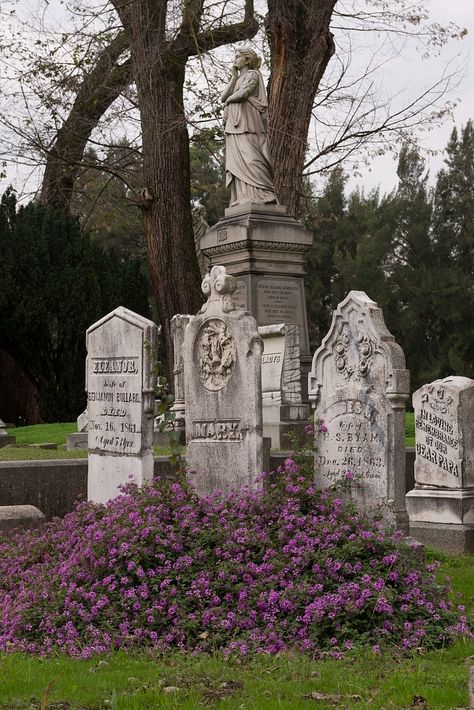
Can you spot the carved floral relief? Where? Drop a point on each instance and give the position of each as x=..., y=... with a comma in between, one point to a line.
x=215, y=353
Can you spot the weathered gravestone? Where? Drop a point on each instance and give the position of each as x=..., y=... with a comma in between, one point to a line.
x=178, y=326
x=441, y=506
x=359, y=385
x=79, y=439
x=283, y=411
x=5, y=438
x=120, y=384
x=222, y=353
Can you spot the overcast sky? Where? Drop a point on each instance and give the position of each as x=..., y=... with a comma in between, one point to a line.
x=409, y=72
x=413, y=69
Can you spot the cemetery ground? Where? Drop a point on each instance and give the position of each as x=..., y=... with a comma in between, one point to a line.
x=362, y=679
x=434, y=680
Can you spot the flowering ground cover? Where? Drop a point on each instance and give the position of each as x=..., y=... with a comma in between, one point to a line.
x=292, y=569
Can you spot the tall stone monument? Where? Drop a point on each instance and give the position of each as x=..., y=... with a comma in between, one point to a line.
x=441, y=506
x=257, y=241
x=222, y=353
x=120, y=385
x=359, y=385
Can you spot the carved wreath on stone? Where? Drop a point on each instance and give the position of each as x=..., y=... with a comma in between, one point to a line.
x=436, y=399
x=358, y=366
x=214, y=351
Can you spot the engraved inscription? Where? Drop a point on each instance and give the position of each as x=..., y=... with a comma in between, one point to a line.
x=217, y=430
x=214, y=351
x=437, y=438
x=278, y=302
x=353, y=442
x=115, y=405
x=271, y=359
x=115, y=365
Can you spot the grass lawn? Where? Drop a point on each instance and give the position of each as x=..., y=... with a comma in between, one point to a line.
x=435, y=680
x=43, y=433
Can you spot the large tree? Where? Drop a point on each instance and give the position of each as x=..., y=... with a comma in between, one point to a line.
x=152, y=49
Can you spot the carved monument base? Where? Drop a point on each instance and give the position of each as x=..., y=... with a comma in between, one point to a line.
x=264, y=249
x=442, y=518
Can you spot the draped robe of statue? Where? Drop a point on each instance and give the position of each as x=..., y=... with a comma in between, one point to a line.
x=249, y=170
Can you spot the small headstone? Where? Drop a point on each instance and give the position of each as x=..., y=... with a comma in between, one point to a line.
x=79, y=439
x=83, y=421
x=359, y=385
x=178, y=326
x=222, y=353
x=26, y=517
x=283, y=411
x=441, y=505
x=120, y=381
x=5, y=438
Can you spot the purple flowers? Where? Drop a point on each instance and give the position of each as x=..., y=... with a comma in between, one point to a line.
x=291, y=567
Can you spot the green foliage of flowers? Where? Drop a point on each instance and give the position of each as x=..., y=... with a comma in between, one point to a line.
x=289, y=568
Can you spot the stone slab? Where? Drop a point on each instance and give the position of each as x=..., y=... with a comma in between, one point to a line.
x=110, y=475
x=455, y=539
x=25, y=517
x=440, y=505
x=77, y=441
x=7, y=440
x=49, y=446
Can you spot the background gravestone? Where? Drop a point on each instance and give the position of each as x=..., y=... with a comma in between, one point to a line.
x=441, y=506
x=5, y=438
x=222, y=353
x=283, y=411
x=359, y=385
x=120, y=384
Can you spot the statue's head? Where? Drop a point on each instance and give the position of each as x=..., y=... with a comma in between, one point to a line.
x=252, y=60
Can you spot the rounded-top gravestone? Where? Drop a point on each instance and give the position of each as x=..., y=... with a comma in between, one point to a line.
x=359, y=385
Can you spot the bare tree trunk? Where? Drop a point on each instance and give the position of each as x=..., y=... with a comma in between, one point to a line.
x=301, y=46
x=168, y=224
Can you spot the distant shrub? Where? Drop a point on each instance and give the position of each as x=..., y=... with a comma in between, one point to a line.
x=292, y=567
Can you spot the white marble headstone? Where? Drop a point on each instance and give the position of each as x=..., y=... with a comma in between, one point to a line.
x=441, y=506
x=444, y=433
x=358, y=384
x=222, y=368
x=120, y=384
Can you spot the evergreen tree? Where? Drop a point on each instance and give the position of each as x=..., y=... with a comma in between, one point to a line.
x=208, y=174
x=453, y=239
x=54, y=283
x=324, y=216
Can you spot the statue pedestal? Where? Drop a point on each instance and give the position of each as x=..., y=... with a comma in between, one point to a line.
x=264, y=249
